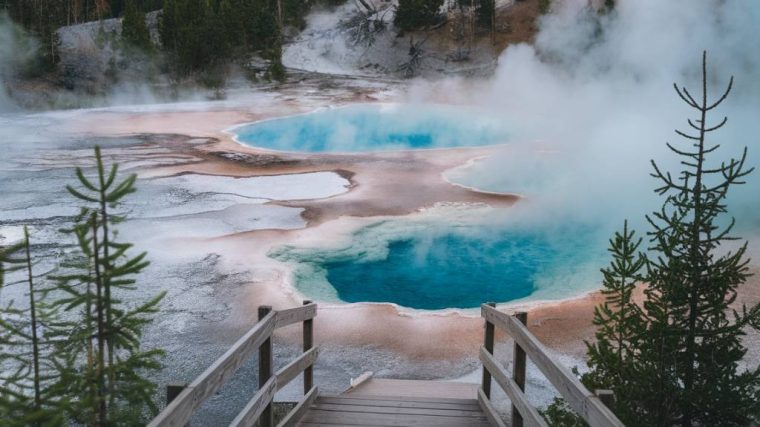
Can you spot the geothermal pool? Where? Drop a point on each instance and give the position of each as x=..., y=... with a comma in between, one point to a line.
x=376, y=127
x=435, y=266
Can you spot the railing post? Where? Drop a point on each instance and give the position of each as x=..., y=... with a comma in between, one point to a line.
x=607, y=397
x=488, y=344
x=518, y=371
x=308, y=343
x=173, y=390
x=265, y=369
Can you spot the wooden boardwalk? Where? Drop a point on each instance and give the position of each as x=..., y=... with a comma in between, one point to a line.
x=382, y=402
x=394, y=411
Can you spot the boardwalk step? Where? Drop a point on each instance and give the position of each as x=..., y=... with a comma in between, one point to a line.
x=462, y=404
x=397, y=412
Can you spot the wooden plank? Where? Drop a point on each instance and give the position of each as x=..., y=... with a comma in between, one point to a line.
x=253, y=409
x=488, y=343
x=455, y=413
x=375, y=387
x=308, y=343
x=404, y=398
x=298, y=412
x=181, y=409
x=292, y=369
x=295, y=315
x=310, y=424
x=518, y=370
x=304, y=423
x=266, y=364
x=485, y=404
x=530, y=415
x=585, y=403
x=471, y=406
x=368, y=419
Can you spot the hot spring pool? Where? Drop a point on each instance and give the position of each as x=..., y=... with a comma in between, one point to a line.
x=449, y=268
x=375, y=127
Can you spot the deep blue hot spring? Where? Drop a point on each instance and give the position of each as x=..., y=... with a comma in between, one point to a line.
x=448, y=268
x=376, y=127
x=419, y=264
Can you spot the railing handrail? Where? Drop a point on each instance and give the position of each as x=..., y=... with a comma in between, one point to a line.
x=181, y=409
x=529, y=414
x=578, y=397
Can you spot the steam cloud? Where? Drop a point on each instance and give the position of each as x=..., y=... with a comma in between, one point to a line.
x=595, y=103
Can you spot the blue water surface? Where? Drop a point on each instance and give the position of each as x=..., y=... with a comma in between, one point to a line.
x=454, y=269
x=376, y=127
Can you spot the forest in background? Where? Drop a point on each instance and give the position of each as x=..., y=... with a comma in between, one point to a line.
x=194, y=34
x=203, y=41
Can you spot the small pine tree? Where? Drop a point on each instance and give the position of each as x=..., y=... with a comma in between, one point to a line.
x=612, y=357
x=559, y=414
x=693, y=281
x=29, y=394
x=106, y=380
x=683, y=367
x=134, y=30
x=12, y=399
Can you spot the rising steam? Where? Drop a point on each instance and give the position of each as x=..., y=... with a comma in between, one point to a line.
x=595, y=101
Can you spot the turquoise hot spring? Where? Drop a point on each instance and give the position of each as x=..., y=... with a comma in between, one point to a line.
x=371, y=128
x=423, y=266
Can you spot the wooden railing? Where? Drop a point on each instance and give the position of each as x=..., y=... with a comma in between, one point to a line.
x=183, y=404
x=588, y=405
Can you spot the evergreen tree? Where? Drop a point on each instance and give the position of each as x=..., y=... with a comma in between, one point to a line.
x=201, y=37
x=544, y=6
x=192, y=33
x=234, y=23
x=29, y=386
x=117, y=7
x=14, y=373
x=134, y=30
x=693, y=281
x=106, y=382
x=613, y=356
x=677, y=360
x=264, y=34
x=416, y=14
x=559, y=414
x=167, y=27
x=294, y=12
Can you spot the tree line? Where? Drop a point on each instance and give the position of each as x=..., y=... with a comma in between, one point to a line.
x=195, y=35
x=41, y=18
